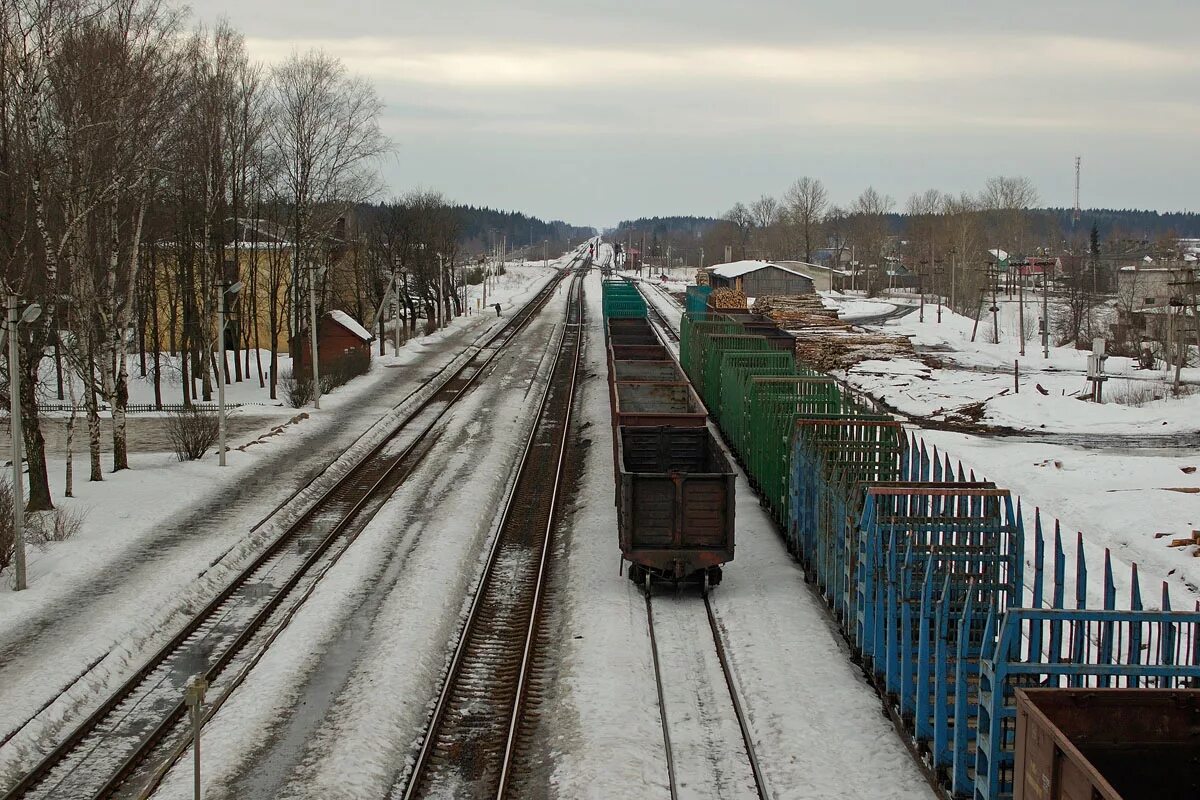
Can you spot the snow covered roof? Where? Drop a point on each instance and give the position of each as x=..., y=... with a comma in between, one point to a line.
x=813, y=267
x=998, y=253
x=737, y=269
x=349, y=323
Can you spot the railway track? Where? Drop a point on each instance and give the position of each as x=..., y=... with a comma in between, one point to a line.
x=657, y=316
x=474, y=733
x=121, y=747
x=705, y=758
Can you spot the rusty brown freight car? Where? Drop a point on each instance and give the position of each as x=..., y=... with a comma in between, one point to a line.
x=660, y=371
x=1107, y=744
x=676, y=504
x=649, y=404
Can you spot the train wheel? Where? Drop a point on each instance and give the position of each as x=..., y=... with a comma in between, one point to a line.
x=707, y=587
x=647, y=583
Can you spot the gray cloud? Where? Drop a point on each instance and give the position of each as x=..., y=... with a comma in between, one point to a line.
x=601, y=111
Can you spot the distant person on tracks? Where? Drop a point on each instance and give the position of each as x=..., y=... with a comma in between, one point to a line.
x=497, y=307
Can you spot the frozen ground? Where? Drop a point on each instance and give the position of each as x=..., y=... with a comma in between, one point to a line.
x=162, y=537
x=605, y=738
x=974, y=380
x=1132, y=496
x=816, y=724
x=336, y=705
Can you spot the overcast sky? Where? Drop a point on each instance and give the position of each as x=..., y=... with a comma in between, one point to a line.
x=603, y=111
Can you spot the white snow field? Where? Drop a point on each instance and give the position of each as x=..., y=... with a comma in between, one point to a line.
x=162, y=538
x=334, y=708
x=1122, y=475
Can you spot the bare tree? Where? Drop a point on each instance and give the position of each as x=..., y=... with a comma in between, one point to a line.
x=869, y=227
x=1006, y=201
x=806, y=200
x=963, y=232
x=325, y=130
x=743, y=220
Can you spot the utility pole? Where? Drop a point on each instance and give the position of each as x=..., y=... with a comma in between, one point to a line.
x=995, y=307
x=1021, y=309
x=313, y=276
x=222, y=314
x=193, y=698
x=15, y=318
x=1045, y=315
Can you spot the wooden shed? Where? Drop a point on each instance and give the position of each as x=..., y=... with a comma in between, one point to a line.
x=760, y=278
x=339, y=336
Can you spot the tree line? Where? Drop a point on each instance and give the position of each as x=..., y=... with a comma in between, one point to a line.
x=139, y=160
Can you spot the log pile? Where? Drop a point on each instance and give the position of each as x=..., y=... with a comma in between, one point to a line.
x=727, y=300
x=834, y=348
x=823, y=341
x=799, y=310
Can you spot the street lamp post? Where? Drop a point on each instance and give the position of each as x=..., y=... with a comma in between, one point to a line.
x=317, y=274
x=223, y=312
x=17, y=316
x=193, y=698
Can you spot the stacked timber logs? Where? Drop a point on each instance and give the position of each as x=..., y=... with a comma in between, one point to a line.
x=799, y=310
x=825, y=342
x=727, y=300
x=840, y=346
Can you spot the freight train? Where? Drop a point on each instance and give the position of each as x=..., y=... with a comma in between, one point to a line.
x=924, y=566
x=675, y=488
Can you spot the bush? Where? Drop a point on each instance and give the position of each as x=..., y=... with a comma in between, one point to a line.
x=297, y=389
x=7, y=540
x=192, y=431
x=41, y=527
x=1139, y=393
x=58, y=525
x=344, y=370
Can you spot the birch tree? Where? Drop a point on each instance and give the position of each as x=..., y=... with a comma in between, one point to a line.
x=325, y=131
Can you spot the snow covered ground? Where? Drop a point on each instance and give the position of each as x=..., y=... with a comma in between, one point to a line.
x=976, y=377
x=1120, y=474
x=606, y=738
x=336, y=705
x=162, y=537
x=816, y=724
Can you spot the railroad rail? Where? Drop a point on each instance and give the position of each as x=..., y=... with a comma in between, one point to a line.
x=659, y=318
x=472, y=738
x=145, y=717
x=736, y=705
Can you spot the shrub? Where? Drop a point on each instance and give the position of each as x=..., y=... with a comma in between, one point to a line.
x=1139, y=393
x=7, y=540
x=192, y=431
x=297, y=389
x=58, y=525
x=344, y=370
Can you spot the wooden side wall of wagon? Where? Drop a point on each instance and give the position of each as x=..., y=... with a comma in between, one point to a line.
x=1107, y=744
x=675, y=505
x=645, y=405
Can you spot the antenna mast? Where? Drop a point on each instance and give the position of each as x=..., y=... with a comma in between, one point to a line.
x=1075, y=213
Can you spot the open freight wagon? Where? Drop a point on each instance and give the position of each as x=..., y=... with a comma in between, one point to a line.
x=1108, y=744
x=674, y=485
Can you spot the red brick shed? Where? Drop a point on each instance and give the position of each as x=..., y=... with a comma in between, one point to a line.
x=338, y=335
